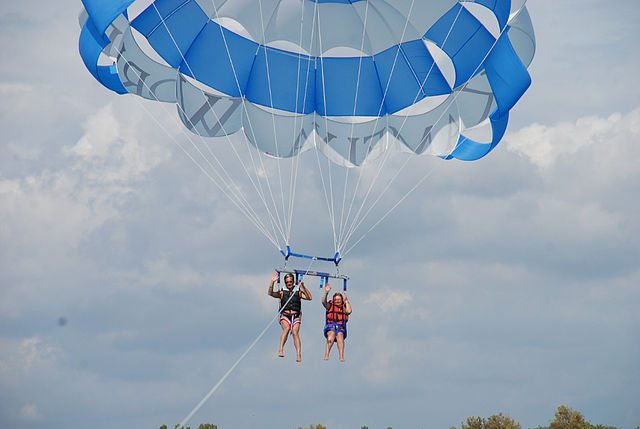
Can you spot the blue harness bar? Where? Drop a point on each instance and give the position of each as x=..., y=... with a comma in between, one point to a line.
x=336, y=258
x=324, y=277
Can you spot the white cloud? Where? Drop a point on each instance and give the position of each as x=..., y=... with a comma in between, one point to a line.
x=30, y=412
x=545, y=144
x=66, y=203
x=17, y=96
x=388, y=355
x=34, y=352
x=389, y=300
x=380, y=367
x=26, y=359
x=102, y=131
x=115, y=149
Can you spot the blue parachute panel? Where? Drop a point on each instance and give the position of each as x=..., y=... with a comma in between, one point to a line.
x=282, y=80
x=104, y=12
x=408, y=74
x=469, y=150
x=348, y=87
x=220, y=59
x=509, y=80
x=91, y=45
x=507, y=75
x=464, y=39
x=171, y=26
x=422, y=66
x=501, y=8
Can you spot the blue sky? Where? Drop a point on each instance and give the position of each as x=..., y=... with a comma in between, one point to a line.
x=506, y=285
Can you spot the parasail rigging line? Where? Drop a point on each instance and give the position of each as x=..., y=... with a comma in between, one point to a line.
x=275, y=220
x=330, y=200
x=425, y=177
x=455, y=95
x=226, y=135
x=230, y=192
x=294, y=175
x=355, y=224
x=255, y=138
x=407, y=160
x=293, y=172
x=355, y=104
x=273, y=116
x=257, y=187
x=343, y=240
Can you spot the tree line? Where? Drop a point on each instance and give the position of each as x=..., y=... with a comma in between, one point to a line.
x=565, y=418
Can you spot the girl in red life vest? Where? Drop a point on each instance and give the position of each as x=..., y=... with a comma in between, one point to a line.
x=290, y=311
x=335, y=329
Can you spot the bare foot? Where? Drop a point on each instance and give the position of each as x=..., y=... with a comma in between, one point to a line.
x=326, y=357
x=299, y=359
x=341, y=359
x=280, y=354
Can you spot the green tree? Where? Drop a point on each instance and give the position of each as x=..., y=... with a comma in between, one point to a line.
x=497, y=421
x=566, y=418
x=202, y=426
x=501, y=421
x=318, y=426
x=474, y=423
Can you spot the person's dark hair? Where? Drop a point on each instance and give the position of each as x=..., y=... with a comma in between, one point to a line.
x=289, y=275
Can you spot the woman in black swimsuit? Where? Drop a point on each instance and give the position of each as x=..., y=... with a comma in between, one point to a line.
x=290, y=310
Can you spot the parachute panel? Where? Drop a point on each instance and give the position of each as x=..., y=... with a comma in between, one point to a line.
x=207, y=113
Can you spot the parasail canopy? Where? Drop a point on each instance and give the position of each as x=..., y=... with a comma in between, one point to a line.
x=352, y=79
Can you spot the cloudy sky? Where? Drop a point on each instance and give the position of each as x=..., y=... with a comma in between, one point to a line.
x=129, y=284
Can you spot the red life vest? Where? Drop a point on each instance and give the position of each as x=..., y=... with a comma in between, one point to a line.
x=336, y=313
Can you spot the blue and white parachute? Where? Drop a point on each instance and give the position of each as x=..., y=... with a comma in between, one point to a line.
x=343, y=76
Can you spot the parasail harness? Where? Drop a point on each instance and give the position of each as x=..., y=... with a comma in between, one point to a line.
x=299, y=274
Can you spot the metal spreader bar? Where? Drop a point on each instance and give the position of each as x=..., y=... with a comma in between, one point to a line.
x=336, y=258
x=324, y=277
